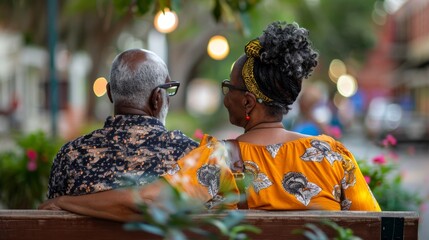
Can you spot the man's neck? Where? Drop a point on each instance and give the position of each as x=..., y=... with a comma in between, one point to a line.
x=130, y=111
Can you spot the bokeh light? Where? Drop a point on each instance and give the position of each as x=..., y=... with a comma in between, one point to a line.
x=347, y=85
x=99, y=86
x=337, y=68
x=218, y=47
x=166, y=22
x=322, y=113
x=391, y=6
x=338, y=99
x=203, y=97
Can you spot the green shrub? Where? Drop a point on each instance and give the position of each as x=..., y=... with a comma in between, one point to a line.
x=383, y=177
x=24, y=171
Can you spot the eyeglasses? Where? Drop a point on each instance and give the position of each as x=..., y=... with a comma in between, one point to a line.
x=226, y=86
x=170, y=87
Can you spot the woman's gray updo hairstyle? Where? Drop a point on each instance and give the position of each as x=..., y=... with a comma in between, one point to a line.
x=286, y=58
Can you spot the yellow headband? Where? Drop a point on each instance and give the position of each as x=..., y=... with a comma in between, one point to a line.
x=252, y=50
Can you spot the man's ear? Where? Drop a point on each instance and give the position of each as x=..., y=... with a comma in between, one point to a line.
x=109, y=94
x=156, y=101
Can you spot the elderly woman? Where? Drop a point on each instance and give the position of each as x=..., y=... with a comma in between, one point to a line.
x=282, y=170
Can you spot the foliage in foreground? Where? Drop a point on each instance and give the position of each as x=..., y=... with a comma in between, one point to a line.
x=314, y=232
x=173, y=218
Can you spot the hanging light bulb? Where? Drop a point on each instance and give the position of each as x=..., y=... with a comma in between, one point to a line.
x=218, y=47
x=166, y=22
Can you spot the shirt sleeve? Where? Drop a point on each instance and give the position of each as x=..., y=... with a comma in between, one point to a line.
x=182, y=143
x=203, y=174
x=58, y=176
x=357, y=194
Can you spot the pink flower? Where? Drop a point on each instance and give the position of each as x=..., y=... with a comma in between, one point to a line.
x=379, y=159
x=335, y=132
x=367, y=179
x=389, y=140
x=31, y=166
x=198, y=134
x=32, y=154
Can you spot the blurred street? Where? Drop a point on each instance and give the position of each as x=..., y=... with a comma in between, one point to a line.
x=413, y=161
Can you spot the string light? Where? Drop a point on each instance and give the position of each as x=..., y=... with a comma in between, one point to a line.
x=166, y=22
x=218, y=47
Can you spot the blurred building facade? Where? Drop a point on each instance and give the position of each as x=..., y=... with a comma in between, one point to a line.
x=397, y=71
x=20, y=81
x=24, y=82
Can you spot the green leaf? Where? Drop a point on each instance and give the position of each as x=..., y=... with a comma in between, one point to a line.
x=175, y=234
x=143, y=6
x=316, y=232
x=121, y=5
x=217, y=11
x=233, y=218
x=218, y=224
x=199, y=231
x=247, y=228
x=158, y=215
x=144, y=227
x=164, y=4
x=77, y=6
x=311, y=235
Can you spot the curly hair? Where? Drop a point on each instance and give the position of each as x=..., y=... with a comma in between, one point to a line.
x=286, y=58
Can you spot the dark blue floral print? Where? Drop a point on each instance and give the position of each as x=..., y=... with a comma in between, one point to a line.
x=128, y=147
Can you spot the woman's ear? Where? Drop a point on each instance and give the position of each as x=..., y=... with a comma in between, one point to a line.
x=109, y=94
x=249, y=101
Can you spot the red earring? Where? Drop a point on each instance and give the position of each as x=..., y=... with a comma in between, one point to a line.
x=247, y=117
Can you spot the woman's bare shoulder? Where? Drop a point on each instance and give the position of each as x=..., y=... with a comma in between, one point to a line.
x=272, y=138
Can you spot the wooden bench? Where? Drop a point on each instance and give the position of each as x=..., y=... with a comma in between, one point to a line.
x=45, y=225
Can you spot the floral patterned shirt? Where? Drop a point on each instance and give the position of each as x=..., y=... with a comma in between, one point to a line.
x=130, y=149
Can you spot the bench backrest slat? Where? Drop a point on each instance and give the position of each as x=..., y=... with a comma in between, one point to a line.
x=45, y=225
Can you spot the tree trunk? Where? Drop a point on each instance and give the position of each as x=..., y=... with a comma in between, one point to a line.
x=183, y=60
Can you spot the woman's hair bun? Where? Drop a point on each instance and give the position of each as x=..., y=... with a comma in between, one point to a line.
x=285, y=59
x=287, y=47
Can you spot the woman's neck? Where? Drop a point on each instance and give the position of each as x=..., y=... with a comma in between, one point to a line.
x=264, y=125
x=268, y=133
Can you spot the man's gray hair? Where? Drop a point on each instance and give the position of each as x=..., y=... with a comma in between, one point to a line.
x=132, y=80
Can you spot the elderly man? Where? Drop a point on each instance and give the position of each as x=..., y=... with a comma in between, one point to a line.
x=133, y=142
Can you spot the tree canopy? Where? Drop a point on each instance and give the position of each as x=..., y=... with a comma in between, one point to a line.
x=338, y=29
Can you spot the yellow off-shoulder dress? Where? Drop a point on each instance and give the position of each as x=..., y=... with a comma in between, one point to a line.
x=311, y=173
